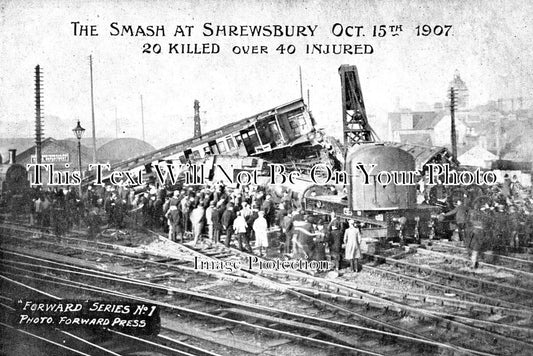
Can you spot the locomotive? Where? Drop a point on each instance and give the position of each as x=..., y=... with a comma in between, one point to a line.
x=388, y=211
x=374, y=196
x=16, y=194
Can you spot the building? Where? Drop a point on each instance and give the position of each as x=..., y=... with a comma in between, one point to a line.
x=63, y=154
x=122, y=149
x=477, y=156
x=430, y=128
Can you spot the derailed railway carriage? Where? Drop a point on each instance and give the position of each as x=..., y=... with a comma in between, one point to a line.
x=387, y=211
x=282, y=134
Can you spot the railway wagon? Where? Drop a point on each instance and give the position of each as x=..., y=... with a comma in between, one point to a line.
x=387, y=210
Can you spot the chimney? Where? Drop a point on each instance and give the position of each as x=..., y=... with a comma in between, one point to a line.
x=197, y=127
x=12, y=156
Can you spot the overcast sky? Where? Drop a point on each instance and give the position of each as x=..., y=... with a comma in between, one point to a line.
x=489, y=43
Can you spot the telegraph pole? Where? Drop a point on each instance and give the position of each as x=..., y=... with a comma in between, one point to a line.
x=38, y=115
x=92, y=109
x=142, y=115
x=453, y=102
x=301, y=84
x=498, y=136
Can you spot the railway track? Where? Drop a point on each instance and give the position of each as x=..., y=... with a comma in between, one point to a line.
x=501, y=275
x=438, y=300
x=284, y=302
x=498, y=261
x=53, y=340
x=387, y=313
x=513, y=325
x=311, y=330
x=219, y=252
x=404, y=302
x=450, y=281
x=180, y=258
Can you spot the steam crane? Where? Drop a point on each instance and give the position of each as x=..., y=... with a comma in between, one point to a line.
x=356, y=128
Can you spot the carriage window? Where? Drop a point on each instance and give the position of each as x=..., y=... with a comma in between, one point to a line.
x=295, y=125
x=250, y=136
x=221, y=146
x=213, y=147
x=276, y=136
x=195, y=155
x=250, y=140
x=231, y=144
x=303, y=123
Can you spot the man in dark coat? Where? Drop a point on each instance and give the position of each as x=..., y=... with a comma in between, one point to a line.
x=158, y=211
x=476, y=234
x=269, y=210
x=57, y=217
x=250, y=222
x=145, y=209
x=335, y=233
x=286, y=231
x=93, y=222
x=119, y=213
x=217, y=226
x=227, y=223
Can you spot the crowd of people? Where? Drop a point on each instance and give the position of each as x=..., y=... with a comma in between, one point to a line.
x=499, y=220
x=57, y=210
x=268, y=219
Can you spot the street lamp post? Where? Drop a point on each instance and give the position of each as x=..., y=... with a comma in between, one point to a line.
x=78, y=131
